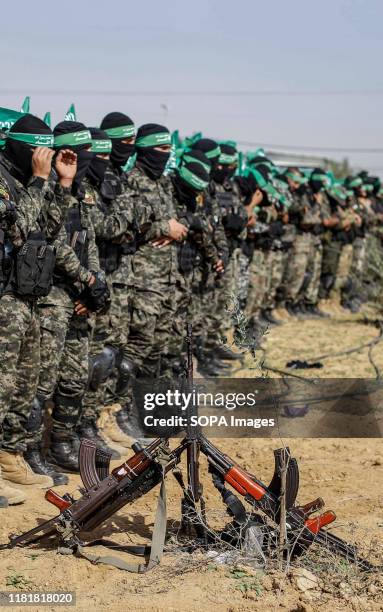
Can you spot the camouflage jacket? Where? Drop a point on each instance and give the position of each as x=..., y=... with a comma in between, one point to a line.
x=232, y=208
x=214, y=214
x=153, y=205
x=71, y=273
x=114, y=224
x=38, y=208
x=200, y=236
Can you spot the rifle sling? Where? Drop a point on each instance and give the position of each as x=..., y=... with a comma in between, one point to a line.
x=155, y=549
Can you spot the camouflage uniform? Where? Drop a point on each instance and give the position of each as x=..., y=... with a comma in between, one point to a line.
x=37, y=210
x=301, y=249
x=196, y=248
x=354, y=289
x=112, y=220
x=231, y=206
x=274, y=262
x=261, y=240
x=154, y=272
x=207, y=283
x=333, y=242
x=312, y=225
x=65, y=335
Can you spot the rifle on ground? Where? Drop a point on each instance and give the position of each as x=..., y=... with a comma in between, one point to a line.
x=105, y=493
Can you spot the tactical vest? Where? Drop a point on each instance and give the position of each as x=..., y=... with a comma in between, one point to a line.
x=187, y=256
x=110, y=252
x=229, y=206
x=26, y=271
x=77, y=235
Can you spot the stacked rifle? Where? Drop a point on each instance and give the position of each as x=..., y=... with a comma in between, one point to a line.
x=105, y=492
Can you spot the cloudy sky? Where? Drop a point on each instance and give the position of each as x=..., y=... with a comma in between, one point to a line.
x=298, y=73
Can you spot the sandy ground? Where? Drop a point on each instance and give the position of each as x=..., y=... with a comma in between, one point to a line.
x=347, y=473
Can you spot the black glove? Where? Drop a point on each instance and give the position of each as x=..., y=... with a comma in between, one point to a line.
x=96, y=297
x=194, y=222
x=234, y=223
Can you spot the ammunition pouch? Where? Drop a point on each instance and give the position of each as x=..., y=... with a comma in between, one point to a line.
x=32, y=273
x=186, y=254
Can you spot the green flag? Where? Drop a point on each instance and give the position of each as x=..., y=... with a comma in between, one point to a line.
x=47, y=119
x=26, y=104
x=70, y=114
x=8, y=118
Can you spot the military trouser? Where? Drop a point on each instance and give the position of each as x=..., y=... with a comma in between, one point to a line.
x=274, y=263
x=176, y=347
x=64, y=366
x=19, y=368
x=226, y=292
x=152, y=313
x=373, y=268
x=257, y=284
x=203, y=288
x=330, y=259
x=310, y=289
x=295, y=272
x=243, y=278
x=342, y=278
x=111, y=328
x=354, y=287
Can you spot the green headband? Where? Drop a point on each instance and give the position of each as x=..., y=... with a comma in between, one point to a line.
x=356, y=182
x=296, y=177
x=261, y=181
x=213, y=153
x=154, y=140
x=123, y=131
x=227, y=160
x=73, y=138
x=323, y=178
x=101, y=146
x=191, y=159
x=368, y=187
x=36, y=140
x=192, y=179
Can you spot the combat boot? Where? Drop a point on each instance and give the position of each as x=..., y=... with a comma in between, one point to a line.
x=316, y=312
x=88, y=429
x=15, y=469
x=129, y=422
x=61, y=452
x=296, y=310
x=9, y=495
x=110, y=428
x=39, y=464
x=268, y=317
x=208, y=368
x=215, y=361
x=224, y=352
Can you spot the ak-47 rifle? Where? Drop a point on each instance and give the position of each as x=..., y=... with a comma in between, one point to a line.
x=104, y=494
x=302, y=528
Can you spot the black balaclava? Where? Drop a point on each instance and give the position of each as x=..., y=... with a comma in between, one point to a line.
x=210, y=148
x=189, y=180
x=98, y=165
x=84, y=155
x=20, y=153
x=318, y=180
x=120, y=151
x=153, y=162
x=225, y=171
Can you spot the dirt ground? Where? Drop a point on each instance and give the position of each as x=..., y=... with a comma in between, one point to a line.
x=347, y=473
